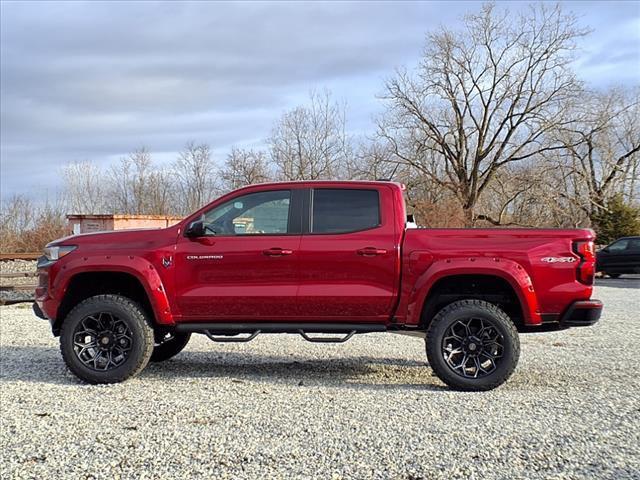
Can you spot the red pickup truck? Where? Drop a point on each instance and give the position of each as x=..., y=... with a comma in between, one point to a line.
x=325, y=260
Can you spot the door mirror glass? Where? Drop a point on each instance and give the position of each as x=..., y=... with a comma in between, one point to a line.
x=195, y=229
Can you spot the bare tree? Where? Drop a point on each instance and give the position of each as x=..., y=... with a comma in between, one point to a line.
x=137, y=186
x=602, y=156
x=432, y=204
x=140, y=181
x=374, y=160
x=195, y=177
x=244, y=167
x=84, y=187
x=119, y=190
x=483, y=98
x=126, y=182
x=310, y=142
x=160, y=193
x=16, y=214
x=27, y=227
x=517, y=197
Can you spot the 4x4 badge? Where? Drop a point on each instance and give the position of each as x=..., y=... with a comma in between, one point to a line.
x=558, y=259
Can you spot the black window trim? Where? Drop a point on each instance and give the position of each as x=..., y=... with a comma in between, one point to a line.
x=307, y=223
x=294, y=221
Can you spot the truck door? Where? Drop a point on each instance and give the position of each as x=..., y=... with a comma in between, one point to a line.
x=246, y=265
x=616, y=257
x=633, y=255
x=349, y=255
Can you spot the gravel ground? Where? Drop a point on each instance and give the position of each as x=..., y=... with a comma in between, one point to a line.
x=279, y=407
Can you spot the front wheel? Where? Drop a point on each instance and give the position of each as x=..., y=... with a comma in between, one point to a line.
x=106, y=339
x=472, y=345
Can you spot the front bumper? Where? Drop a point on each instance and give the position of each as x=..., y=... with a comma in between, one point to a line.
x=582, y=313
x=38, y=311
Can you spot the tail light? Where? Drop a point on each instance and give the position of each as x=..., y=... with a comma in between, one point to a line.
x=587, y=267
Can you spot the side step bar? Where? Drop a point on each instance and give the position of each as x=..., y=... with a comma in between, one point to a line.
x=229, y=339
x=326, y=339
x=226, y=332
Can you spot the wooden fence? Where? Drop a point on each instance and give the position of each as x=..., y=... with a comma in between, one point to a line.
x=6, y=278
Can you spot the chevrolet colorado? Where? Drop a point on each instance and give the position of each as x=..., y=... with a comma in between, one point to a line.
x=325, y=260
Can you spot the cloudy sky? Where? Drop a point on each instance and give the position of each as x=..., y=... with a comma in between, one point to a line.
x=92, y=81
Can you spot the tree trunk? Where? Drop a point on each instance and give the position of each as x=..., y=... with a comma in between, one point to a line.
x=468, y=216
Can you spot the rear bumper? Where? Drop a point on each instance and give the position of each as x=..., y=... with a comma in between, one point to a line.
x=582, y=313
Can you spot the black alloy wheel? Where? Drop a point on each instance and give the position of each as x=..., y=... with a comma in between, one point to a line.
x=102, y=341
x=106, y=339
x=472, y=345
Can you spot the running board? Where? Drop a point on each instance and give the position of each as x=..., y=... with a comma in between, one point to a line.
x=229, y=339
x=326, y=339
x=227, y=332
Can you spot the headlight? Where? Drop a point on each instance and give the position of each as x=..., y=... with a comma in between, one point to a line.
x=57, y=252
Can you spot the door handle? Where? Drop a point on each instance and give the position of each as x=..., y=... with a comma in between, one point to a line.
x=371, y=251
x=277, y=252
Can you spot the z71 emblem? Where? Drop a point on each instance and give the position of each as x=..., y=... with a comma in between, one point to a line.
x=558, y=259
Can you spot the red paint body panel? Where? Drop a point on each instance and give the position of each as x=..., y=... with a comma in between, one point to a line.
x=512, y=254
x=323, y=277
x=239, y=280
x=339, y=284
x=135, y=252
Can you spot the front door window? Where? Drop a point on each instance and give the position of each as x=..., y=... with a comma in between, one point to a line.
x=261, y=213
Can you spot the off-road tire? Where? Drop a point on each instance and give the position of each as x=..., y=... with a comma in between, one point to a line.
x=464, y=309
x=141, y=335
x=170, y=348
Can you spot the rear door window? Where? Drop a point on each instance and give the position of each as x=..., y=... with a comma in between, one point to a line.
x=341, y=210
x=634, y=245
x=618, y=246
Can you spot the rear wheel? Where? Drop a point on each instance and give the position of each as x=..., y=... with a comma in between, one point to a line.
x=106, y=339
x=169, y=346
x=472, y=345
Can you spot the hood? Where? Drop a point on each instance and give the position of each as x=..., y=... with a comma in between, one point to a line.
x=121, y=239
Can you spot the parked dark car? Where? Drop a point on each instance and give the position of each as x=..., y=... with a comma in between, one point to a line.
x=622, y=256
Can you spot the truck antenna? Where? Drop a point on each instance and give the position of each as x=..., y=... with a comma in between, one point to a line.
x=390, y=176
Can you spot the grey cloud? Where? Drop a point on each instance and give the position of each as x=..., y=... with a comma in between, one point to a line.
x=95, y=80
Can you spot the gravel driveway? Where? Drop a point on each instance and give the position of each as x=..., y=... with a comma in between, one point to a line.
x=279, y=407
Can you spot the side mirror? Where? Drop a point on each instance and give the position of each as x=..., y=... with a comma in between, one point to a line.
x=195, y=229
